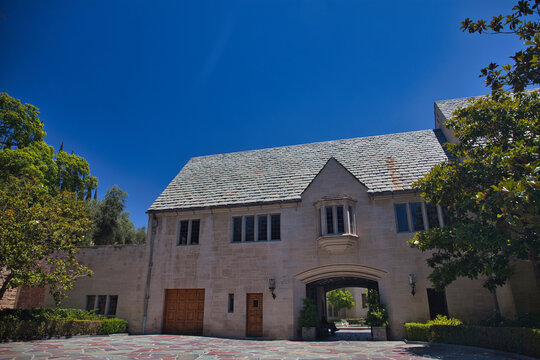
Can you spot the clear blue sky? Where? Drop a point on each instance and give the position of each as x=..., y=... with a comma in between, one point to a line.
x=137, y=88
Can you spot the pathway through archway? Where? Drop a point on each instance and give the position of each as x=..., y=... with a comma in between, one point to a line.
x=317, y=290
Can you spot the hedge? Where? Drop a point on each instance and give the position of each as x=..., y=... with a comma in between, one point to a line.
x=520, y=340
x=41, y=323
x=31, y=329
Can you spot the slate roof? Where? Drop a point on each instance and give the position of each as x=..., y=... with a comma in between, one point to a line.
x=384, y=164
x=448, y=107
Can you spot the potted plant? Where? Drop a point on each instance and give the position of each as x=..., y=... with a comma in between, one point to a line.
x=377, y=316
x=308, y=319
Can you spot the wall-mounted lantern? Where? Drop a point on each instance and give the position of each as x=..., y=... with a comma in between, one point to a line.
x=272, y=287
x=412, y=282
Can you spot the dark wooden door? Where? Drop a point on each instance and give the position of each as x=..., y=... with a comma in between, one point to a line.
x=184, y=311
x=254, y=317
x=437, y=303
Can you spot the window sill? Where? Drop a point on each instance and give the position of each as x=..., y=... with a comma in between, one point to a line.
x=337, y=244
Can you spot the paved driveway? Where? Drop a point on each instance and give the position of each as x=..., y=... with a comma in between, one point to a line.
x=196, y=347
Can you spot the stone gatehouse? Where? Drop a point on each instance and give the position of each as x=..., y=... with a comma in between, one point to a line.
x=237, y=240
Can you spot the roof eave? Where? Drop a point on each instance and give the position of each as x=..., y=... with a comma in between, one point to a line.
x=211, y=207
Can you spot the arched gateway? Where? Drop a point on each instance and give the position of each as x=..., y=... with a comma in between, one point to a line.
x=340, y=270
x=321, y=279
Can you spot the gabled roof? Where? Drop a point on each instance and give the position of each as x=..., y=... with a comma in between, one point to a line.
x=384, y=164
x=448, y=107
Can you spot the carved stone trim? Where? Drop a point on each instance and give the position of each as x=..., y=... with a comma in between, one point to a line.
x=340, y=270
x=337, y=244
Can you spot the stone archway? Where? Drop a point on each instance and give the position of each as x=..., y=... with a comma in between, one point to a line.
x=319, y=280
x=340, y=270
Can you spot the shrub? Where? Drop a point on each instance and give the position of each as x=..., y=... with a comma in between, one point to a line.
x=513, y=339
x=417, y=331
x=308, y=314
x=45, y=322
x=30, y=329
x=377, y=314
x=377, y=317
x=47, y=314
x=531, y=320
x=443, y=320
x=113, y=326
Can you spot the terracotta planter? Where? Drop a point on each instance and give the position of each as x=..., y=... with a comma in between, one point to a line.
x=308, y=333
x=378, y=333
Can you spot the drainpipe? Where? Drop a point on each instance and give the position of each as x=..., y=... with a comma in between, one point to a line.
x=149, y=275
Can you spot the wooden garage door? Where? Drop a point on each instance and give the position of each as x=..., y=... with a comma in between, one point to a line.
x=184, y=311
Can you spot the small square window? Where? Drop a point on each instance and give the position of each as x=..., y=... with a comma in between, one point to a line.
x=432, y=216
x=402, y=218
x=417, y=217
x=231, y=303
x=263, y=227
x=330, y=220
x=340, y=220
x=195, y=228
x=113, y=302
x=275, y=227
x=260, y=228
x=250, y=228
x=237, y=229
x=102, y=302
x=352, y=230
x=184, y=227
x=90, y=302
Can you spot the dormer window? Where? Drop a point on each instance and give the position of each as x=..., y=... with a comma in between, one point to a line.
x=336, y=223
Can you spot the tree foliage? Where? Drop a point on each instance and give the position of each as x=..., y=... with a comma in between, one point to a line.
x=490, y=192
x=39, y=236
x=20, y=124
x=308, y=314
x=24, y=153
x=111, y=224
x=490, y=189
x=377, y=314
x=42, y=217
x=525, y=70
x=340, y=299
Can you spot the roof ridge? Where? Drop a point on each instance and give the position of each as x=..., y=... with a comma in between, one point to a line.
x=479, y=96
x=309, y=143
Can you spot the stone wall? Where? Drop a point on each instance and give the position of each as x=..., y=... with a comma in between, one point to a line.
x=118, y=270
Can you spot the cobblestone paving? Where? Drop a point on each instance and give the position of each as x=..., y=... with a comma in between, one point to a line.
x=194, y=347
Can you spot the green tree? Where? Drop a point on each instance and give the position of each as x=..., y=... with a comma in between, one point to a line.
x=24, y=153
x=308, y=314
x=525, y=70
x=20, y=124
x=39, y=237
x=111, y=224
x=377, y=314
x=489, y=191
x=340, y=299
x=42, y=218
